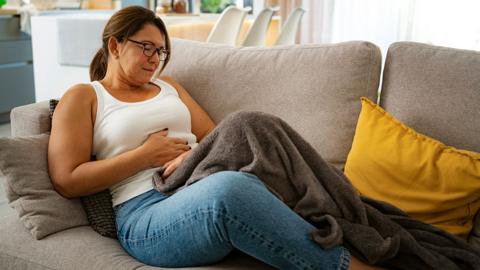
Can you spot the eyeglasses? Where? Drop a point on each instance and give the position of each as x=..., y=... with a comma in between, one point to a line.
x=149, y=49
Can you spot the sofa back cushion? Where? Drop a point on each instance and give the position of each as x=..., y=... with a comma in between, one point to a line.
x=315, y=88
x=435, y=90
x=31, y=119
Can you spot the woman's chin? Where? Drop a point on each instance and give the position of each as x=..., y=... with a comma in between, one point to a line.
x=149, y=74
x=144, y=77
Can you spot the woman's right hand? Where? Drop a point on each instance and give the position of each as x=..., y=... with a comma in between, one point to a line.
x=159, y=149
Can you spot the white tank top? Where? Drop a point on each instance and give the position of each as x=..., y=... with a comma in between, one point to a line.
x=123, y=126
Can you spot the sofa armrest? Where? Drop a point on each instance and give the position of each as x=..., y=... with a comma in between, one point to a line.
x=30, y=119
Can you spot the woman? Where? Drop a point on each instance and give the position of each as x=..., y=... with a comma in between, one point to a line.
x=134, y=125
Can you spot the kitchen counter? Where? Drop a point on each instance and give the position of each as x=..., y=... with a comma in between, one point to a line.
x=104, y=15
x=9, y=11
x=16, y=69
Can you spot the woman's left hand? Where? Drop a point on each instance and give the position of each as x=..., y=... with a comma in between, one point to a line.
x=173, y=164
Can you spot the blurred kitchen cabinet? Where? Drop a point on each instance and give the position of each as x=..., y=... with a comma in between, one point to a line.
x=16, y=69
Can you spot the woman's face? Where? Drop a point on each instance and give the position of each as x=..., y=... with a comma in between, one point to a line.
x=134, y=61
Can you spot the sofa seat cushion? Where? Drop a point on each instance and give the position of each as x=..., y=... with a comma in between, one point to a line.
x=314, y=88
x=81, y=248
x=432, y=182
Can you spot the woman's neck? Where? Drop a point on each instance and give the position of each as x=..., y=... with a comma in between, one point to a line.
x=114, y=81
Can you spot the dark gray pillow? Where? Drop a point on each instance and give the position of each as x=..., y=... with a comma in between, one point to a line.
x=100, y=213
x=98, y=206
x=23, y=166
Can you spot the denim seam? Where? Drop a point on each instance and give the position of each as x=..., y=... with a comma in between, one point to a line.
x=344, y=260
x=291, y=257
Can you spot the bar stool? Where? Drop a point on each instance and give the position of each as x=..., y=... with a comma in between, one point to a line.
x=227, y=27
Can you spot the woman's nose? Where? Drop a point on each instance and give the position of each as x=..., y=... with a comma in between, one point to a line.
x=155, y=58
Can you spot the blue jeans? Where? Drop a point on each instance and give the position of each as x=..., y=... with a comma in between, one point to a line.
x=204, y=222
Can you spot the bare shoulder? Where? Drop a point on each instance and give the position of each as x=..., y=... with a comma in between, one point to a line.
x=79, y=92
x=80, y=98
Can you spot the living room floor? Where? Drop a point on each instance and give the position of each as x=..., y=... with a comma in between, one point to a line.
x=4, y=208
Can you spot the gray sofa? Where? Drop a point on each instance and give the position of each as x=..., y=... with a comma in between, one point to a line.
x=315, y=88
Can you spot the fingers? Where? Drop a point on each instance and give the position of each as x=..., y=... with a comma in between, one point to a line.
x=170, y=168
x=178, y=153
x=163, y=132
x=179, y=141
x=167, y=172
x=167, y=164
x=183, y=147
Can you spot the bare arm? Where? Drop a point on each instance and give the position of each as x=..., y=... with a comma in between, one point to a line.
x=70, y=149
x=202, y=124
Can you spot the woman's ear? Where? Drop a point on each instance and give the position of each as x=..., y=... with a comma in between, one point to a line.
x=113, y=46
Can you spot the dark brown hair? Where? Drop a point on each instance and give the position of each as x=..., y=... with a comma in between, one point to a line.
x=122, y=25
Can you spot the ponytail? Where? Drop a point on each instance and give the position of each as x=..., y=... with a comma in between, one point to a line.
x=98, y=66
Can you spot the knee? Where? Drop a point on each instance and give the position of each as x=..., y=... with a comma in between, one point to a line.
x=231, y=186
x=249, y=118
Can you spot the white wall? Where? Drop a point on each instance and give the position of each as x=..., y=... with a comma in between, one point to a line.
x=51, y=78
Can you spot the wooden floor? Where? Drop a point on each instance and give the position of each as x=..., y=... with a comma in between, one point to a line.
x=4, y=208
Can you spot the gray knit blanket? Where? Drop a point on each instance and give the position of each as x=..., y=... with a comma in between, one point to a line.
x=373, y=231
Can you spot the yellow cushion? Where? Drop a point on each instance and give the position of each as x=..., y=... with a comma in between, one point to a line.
x=427, y=179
